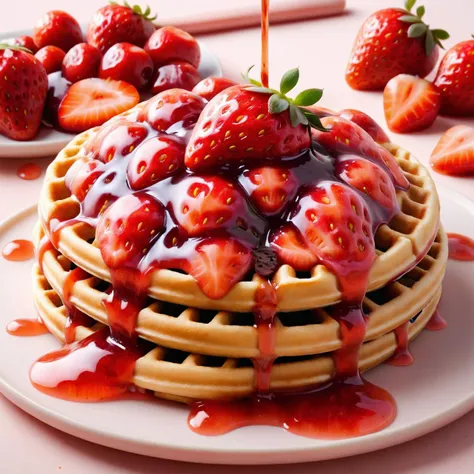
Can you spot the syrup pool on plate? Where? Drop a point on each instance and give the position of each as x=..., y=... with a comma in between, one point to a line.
x=18, y=250
x=26, y=327
x=460, y=247
x=29, y=171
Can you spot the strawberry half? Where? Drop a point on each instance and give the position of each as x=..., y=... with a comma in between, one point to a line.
x=127, y=229
x=91, y=102
x=454, y=153
x=344, y=137
x=270, y=188
x=365, y=122
x=218, y=265
x=410, y=103
x=248, y=122
x=82, y=175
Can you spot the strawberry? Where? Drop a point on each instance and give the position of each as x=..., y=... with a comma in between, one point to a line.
x=82, y=175
x=252, y=122
x=454, y=153
x=211, y=86
x=91, y=102
x=117, y=138
x=177, y=74
x=127, y=229
x=171, y=107
x=25, y=41
x=292, y=250
x=455, y=79
x=81, y=62
x=335, y=224
x=218, y=264
x=57, y=28
x=172, y=44
x=155, y=160
x=368, y=178
x=270, y=188
x=346, y=137
x=120, y=24
x=57, y=89
x=365, y=122
x=391, y=42
x=129, y=63
x=23, y=89
x=410, y=103
x=51, y=57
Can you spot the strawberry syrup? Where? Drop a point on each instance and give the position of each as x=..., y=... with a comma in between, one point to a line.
x=402, y=356
x=29, y=171
x=265, y=26
x=461, y=247
x=18, y=250
x=436, y=322
x=26, y=327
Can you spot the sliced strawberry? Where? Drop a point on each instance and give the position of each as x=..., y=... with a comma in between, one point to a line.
x=292, y=250
x=127, y=229
x=218, y=265
x=91, y=102
x=154, y=160
x=345, y=137
x=454, y=153
x=336, y=226
x=410, y=103
x=174, y=106
x=367, y=123
x=117, y=138
x=368, y=178
x=82, y=175
x=211, y=86
x=270, y=188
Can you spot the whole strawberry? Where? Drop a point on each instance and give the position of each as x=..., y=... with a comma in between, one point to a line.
x=455, y=80
x=391, y=42
x=252, y=122
x=120, y=24
x=23, y=90
x=57, y=28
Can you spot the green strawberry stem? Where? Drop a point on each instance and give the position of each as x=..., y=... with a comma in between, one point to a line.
x=419, y=29
x=137, y=9
x=15, y=48
x=278, y=101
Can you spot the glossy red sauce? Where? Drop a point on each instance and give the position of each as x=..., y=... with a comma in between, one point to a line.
x=265, y=26
x=26, y=327
x=436, y=322
x=402, y=356
x=460, y=247
x=29, y=171
x=18, y=250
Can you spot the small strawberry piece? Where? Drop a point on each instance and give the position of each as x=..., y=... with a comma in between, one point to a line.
x=177, y=74
x=171, y=107
x=365, y=122
x=23, y=89
x=51, y=57
x=82, y=175
x=211, y=86
x=346, y=137
x=116, y=139
x=129, y=63
x=120, y=24
x=368, y=178
x=291, y=249
x=81, y=62
x=455, y=80
x=390, y=42
x=57, y=28
x=218, y=265
x=127, y=229
x=410, y=103
x=57, y=88
x=25, y=41
x=270, y=188
x=155, y=160
x=454, y=153
x=336, y=226
x=91, y=102
x=172, y=44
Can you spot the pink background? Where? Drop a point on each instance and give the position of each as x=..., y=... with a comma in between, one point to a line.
x=320, y=48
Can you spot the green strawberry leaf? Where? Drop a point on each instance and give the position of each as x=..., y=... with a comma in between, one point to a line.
x=314, y=120
x=15, y=47
x=246, y=77
x=409, y=19
x=409, y=4
x=440, y=34
x=277, y=104
x=297, y=117
x=417, y=30
x=420, y=11
x=430, y=43
x=262, y=90
x=308, y=97
x=289, y=80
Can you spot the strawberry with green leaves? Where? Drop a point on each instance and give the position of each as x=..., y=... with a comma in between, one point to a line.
x=248, y=122
x=391, y=42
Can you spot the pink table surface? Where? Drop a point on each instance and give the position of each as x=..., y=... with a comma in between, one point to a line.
x=320, y=48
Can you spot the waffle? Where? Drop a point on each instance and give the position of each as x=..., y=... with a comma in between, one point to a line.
x=231, y=334
x=187, y=376
x=399, y=245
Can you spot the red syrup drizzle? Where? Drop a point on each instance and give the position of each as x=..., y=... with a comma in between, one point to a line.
x=402, y=356
x=436, y=322
x=460, y=247
x=26, y=327
x=18, y=250
x=265, y=24
x=29, y=171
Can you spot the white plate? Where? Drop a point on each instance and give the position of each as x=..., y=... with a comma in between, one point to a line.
x=50, y=141
x=435, y=390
